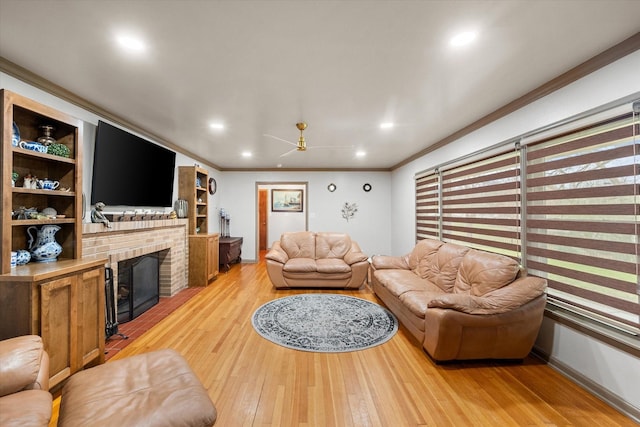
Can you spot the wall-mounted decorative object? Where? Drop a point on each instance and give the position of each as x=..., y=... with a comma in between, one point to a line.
x=213, y=186
x=286, y=200
x=349, y=210
x=331, y=187
x=366, y=187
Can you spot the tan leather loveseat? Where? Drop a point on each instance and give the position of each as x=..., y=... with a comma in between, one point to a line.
x=316, y=260
x=462, y=303
x=24, y=382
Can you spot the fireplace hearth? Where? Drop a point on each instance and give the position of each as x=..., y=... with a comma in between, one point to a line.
x=138, y=286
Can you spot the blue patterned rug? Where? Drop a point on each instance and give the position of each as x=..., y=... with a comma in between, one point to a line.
x=325, y=323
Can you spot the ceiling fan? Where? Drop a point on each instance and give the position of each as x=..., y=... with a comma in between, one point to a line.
x=301, y=145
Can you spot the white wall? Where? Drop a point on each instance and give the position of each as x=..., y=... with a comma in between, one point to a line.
x=370, y=227
x=618, y=373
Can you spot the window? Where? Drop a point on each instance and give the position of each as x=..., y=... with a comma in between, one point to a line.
x=582, y=220
x=571, y=216
x=481, y=204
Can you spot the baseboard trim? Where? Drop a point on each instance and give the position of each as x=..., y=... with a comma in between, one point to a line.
x=589, y=385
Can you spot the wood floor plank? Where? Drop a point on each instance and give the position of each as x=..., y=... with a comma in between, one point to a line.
x=254, y=382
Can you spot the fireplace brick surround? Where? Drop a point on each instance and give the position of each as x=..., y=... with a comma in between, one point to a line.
x=130, y=239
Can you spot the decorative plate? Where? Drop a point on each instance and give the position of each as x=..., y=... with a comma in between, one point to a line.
x=15, y=135
x=213, y=186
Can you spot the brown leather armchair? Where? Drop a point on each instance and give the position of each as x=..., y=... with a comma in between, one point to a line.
x=24, y=382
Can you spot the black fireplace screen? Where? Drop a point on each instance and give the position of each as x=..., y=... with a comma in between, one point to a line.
x=138, y=286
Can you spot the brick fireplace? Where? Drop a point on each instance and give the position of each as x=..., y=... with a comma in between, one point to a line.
x=131, y=239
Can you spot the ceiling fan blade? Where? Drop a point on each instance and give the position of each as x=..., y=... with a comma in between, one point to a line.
x=288, y=152
x=332, y=147
x=279, y=139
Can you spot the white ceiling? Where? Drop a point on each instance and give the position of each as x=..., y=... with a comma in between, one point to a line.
x=342, y=66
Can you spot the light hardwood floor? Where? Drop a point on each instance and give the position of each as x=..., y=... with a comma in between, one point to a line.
x=254, y=382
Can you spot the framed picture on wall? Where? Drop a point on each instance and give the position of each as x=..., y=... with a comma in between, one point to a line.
x=286, y=200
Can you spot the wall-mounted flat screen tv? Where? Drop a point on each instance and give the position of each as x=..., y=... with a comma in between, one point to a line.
x=131, y=171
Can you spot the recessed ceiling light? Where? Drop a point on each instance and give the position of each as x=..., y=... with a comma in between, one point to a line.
x=131, y=43
x=463, y=39
x=216, y=126
x=360, y=153
x=246, y=154
x=386, y=125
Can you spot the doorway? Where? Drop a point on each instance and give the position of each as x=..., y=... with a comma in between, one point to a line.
x=270, y=225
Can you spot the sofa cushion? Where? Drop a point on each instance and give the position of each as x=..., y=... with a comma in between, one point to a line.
x=418, y=301
x=481, y=272
x=300, y=265
x=400, y=281
x=299, y=244
x=442, y=269
x=332, y=245
x=422, y=255
x=332, y=265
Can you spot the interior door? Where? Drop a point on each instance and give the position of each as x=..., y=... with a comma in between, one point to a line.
x=263, y=196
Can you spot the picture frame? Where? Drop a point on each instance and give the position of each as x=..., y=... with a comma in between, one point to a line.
x=287, y=200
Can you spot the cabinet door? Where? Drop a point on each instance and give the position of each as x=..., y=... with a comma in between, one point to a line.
x=212, y=261
x=58, y=326
x=91, y=317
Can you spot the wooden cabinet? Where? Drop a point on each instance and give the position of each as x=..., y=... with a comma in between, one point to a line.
x=203, y=246
x=192, y=187
x=203, y=259
x=230, y=251
x=63, y=302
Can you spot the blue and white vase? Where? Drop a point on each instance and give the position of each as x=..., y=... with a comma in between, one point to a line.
x=23, y=257
x=45, y=248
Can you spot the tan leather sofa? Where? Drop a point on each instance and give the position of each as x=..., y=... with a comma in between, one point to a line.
x=25, y=400
x=462, y=303
x=306, y=259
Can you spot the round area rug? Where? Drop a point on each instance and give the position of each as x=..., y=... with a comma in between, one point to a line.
x=325, y=323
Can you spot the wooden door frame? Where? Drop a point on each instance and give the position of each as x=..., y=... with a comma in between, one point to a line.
x=259, y=186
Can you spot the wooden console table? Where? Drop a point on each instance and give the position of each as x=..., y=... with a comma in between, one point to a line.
x=230, y=251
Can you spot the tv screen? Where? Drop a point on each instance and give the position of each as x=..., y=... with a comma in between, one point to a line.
x=130, y=171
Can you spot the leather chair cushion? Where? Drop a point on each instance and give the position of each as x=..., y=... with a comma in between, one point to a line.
x=442, y=269
x=151, y=389
x=481, y=272
x=332, y=265
x=300, y=265
x=299, y=244
x=27, y=408
x=332, y=245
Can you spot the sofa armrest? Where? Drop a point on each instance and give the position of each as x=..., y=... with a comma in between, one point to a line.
x=276, y=253
x=451, y=334
x=514, y=295
x=24, y=365
x=354, y=255
x=381, y=262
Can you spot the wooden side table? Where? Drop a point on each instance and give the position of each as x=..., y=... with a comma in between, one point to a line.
x=230, y=251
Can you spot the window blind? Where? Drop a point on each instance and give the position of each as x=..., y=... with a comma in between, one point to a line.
x=481, y=204
x=428, y=206
x=582, y=219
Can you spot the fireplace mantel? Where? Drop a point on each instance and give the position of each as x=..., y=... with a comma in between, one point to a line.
x=130, y=239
